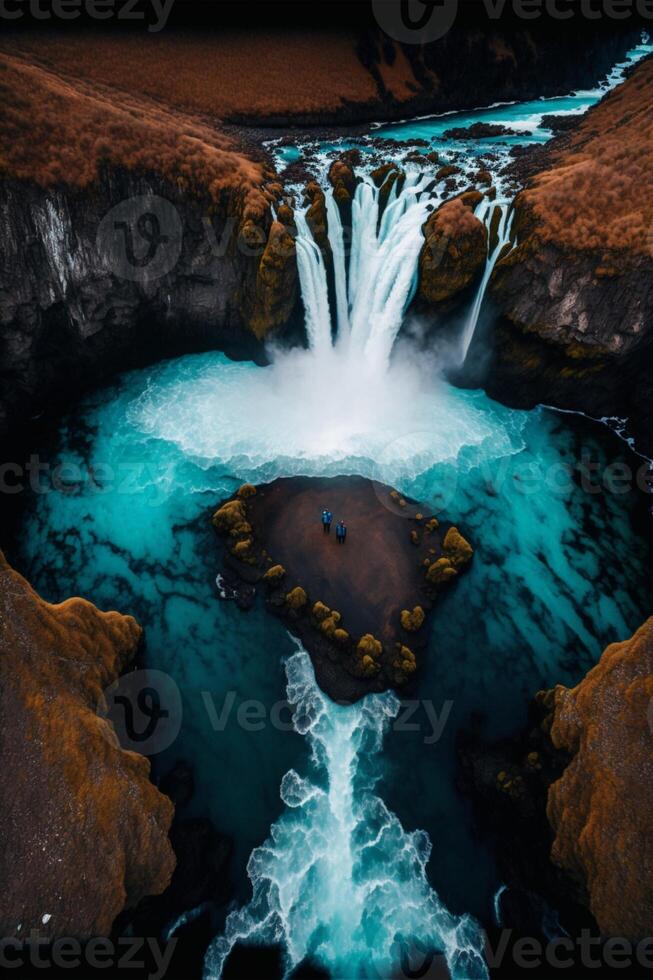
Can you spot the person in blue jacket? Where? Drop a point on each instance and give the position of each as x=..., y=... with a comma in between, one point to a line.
x=327, y=517
x=341, y=532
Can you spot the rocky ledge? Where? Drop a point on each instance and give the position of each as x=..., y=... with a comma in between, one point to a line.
x=568, y=801
x=576, y=294
x=360, y=609
x=80, y=818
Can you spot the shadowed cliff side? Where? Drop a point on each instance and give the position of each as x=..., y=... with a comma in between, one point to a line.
x=576, y=293
x=566, y=802
x=80, y=818
x=601, y=808
x=131, y=232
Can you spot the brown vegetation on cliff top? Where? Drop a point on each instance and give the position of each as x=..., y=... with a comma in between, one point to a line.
x=232, y=74
x=84, y=831
x=593, y=195
x=601, y=809
x=54, y=130
x=454, y=253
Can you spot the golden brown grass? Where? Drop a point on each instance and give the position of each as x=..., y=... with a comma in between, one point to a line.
x=230, y=75
x=595, y=195
x=57, y=130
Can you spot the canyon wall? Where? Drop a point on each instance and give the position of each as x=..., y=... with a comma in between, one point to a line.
x=130, y=232
x=576, y=294
x=601, y=808
x=84, y=831
x=89, y=126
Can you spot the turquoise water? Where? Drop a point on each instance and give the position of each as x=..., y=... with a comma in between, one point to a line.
x=525, y=119
x=558, y=573
x=123, y=518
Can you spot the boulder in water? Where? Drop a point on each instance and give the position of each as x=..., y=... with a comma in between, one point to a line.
x=454, y=254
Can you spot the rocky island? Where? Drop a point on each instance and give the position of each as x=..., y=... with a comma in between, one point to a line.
x=360, y=609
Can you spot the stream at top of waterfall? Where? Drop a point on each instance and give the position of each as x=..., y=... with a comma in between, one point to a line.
x=355, y=837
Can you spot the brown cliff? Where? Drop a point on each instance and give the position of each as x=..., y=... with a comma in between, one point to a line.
x=454, y=255
x=576, y=293
x=601, y=808
x=70, y=303
x=80, y=818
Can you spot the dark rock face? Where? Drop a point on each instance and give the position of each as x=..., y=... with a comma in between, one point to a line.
x=575, y=297
x=566, y=802
x=477, y=131
x=74, y=308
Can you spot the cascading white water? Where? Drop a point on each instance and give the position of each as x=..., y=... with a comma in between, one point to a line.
x=339, y=880
x=372, y=300
x=484, y=213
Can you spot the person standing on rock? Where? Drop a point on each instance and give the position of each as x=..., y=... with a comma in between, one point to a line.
x=341, y=532
x=327, y=517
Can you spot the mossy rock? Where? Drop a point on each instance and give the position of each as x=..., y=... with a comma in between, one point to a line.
x=369, y=666
x=395, y=495
x=274, y=574
x=229, y=515
x=330, y=624
x=414, y=537
x=242, y=530
x=247, y=490
x=447, y=171
x=471, y=198
x=242, y=549
x=456, y=548
x=432, y=525
x=405, y=661
x=340, y=636
x=320, y=611
x=296, y=598
x=413, y=620
x=369, y=646
x=440, y=571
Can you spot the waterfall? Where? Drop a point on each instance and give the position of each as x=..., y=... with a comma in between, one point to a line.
x=372, y=298
x=339, y=880
x=373, y=295
x=313, y=282
x=485, y=212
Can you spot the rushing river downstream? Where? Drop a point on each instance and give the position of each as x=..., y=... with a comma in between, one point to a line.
x=359, y=841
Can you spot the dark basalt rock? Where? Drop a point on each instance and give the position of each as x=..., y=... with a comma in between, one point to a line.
x=70, y=317
x=477, y=131
x=358, y=608
x=508, y=782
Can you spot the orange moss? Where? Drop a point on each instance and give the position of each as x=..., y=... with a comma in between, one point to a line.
x=58, y=131
x=230, y=74
x=593, y=196
x=601, y=809
x=83, y=822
